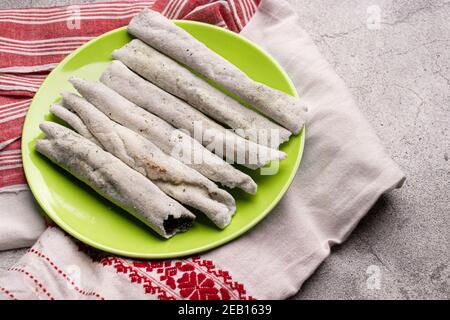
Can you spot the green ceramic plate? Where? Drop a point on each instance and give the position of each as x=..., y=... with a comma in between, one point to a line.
x=88, y=217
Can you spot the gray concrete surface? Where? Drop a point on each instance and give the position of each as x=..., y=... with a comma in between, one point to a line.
x=394, y=56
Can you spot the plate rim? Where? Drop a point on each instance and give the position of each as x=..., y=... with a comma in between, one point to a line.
x=67, y=228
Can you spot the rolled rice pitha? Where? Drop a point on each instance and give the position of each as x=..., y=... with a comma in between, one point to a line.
x=172, y=77
x=173, y=177
x=163, y=135
x=224, y=143
x=74, y=121
x=162, y=34
x=113, y=179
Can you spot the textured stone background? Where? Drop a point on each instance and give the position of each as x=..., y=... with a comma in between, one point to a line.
x=394, y=56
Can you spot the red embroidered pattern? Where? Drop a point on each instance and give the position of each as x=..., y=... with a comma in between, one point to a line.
x=36, y=282
x=64, y=275
x=9, y=294
x=192, y=279
x=225, y=275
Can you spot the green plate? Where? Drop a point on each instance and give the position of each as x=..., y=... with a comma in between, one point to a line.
x=82, y=213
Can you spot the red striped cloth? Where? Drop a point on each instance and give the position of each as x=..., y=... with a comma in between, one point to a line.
x=34, y=40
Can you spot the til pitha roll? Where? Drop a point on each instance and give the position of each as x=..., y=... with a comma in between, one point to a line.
x=225, y=143
x=113, y=179
x=74, y=121
x=173, y=177
x=163, y=35
x=172, y=77
x=170, y=140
